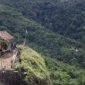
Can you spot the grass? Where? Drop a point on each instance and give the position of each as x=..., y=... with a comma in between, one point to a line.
x=34, y=65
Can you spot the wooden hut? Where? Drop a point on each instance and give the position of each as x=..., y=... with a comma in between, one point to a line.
x=5, y=40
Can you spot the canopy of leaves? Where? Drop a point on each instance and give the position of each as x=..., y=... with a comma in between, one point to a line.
x=56, y=28
x=64, y=74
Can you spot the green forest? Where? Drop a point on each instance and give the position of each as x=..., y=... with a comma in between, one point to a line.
x=55, y=39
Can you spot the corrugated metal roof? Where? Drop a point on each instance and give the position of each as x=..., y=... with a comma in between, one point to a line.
x=6, y=36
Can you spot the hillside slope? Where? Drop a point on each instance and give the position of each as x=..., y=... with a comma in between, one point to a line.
x=64, y=74
x=34, y=67
x=40, y=38
x=66, y=17
x=47, y=71
x=43, y=24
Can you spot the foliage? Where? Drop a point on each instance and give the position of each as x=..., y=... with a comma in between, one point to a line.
x=56, y=29
x=39, y=37
x=64, y=17
x=34, y=67
x=64, y=74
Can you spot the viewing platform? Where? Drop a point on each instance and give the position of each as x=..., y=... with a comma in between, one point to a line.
x=8, y=51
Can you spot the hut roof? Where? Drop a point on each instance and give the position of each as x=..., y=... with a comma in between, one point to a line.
x=6, y=36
